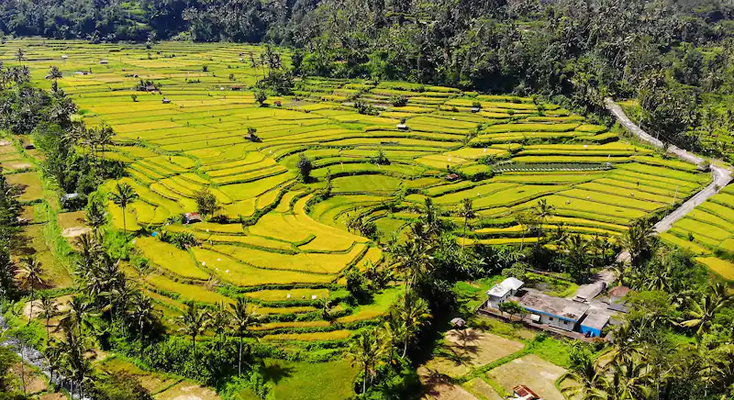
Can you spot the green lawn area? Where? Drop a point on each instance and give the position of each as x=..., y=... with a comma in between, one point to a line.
x=311, y=381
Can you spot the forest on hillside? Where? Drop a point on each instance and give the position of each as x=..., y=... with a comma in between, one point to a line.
x=672, y=56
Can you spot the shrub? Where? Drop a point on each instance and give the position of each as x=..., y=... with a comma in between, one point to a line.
x=398, y=100
x=304, y=168
x=260, y=97
x=365, y=108
x=206, y=202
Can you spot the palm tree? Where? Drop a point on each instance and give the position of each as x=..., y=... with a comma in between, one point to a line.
x=195, y=321
x=365, y=350
x=576, y=260
x=413, y=313
x=142, y=312
x=325, y=306
x=412, y=260
x=20, y=55
x=639, y=241
x=585, y=379
x=49, y=310
x=243, y=316
x=629, y=380
x=123, y=196
x=542, y=211
x=54, y=73
x=466, y=211
x=525, y=220
x=625, y=347
x=221, y=319
x=394, y=332
x=95, y=216
x=105, y=136
x=30, y=277
x=703, y=311
x=78, y=315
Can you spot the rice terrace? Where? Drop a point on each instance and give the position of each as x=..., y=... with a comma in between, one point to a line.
x=304, y=189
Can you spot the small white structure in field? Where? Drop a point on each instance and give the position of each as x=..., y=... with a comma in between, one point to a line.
x=499, y=293
x=402, y=127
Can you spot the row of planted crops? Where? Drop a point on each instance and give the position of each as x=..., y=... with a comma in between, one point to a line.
x=278, y=241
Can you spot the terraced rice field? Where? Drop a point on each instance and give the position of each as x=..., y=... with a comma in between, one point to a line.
x=709, y=232
x=278, y=239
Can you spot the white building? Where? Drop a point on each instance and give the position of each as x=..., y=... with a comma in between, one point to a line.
x=500, y=292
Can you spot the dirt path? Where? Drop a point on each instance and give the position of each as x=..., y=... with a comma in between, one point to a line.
x=720, y=176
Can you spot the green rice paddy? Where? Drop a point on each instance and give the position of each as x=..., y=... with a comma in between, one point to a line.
x=278, y=238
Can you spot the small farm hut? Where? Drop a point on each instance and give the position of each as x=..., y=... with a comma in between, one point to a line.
x=190, y=218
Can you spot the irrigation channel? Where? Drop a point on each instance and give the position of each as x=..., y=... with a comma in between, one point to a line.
x=35, y=358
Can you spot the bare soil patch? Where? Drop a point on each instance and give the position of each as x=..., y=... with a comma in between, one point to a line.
x=532, y=371
x=482, y=388
x=75, y=231
x=470, y=348
x=188, y=391
x=33, y=381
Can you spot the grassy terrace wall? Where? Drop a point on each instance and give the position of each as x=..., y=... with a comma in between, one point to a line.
x=293, y=249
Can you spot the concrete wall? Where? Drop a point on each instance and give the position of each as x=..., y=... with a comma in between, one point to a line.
x=557, y=322
x=494, y=302
x=591, y=331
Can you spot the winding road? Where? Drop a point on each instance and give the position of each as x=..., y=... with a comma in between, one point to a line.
x=720, y=176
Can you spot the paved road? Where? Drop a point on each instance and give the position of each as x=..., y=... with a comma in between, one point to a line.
x=720, y=176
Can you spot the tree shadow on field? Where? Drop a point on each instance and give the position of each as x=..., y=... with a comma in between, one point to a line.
x=276, y=372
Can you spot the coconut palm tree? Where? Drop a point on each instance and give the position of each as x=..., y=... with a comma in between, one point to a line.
x=243, y=316
x=105, y=135
x=30, y=277
x=639, y=241
x=585, y=381
x=625, y=347
x=221, y=319
x=142, y=312
x=54, y=73
x=365, y=351
x=194, y=322
x=703, y=311
x=20, y=55
x=95, y=216
x=414, y=313
x=394, y=332
x=78, y=315
x=412, y=259
x=123, y=196
x=630, y=380
x=49, y=310
x=542, y=212
x=466, y=211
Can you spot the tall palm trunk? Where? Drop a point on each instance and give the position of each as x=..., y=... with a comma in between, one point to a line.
x=193, y=346
x=239, y=359
x=30, y=311
x=124, y=222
